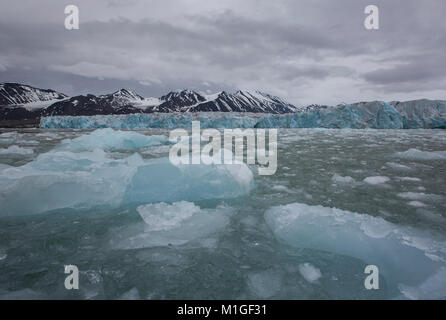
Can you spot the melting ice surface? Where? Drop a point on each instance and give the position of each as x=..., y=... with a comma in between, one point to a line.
x=140, y=228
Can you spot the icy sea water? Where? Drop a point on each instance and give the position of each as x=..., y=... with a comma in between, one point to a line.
x=340, y=200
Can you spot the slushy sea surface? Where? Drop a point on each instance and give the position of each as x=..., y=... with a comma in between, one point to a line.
x=339, y=201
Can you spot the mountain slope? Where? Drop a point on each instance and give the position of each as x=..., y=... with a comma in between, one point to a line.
x=22, y=105
x=125, y=101
x=120, y=102
x=15, y=94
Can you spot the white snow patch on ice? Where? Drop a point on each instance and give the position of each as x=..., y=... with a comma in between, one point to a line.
x=162, y=216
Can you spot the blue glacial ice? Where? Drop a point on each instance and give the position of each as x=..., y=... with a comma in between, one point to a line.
x=173, y=224
x=73, y=176
x=416, y=114
x=109, y=139
x=373, y=240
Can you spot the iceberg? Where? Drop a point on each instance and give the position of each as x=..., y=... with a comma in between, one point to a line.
x=109, y=139
x=415, y=154
x=172, y=224
x=427, y=114
x=372, y=240
x=70, y=177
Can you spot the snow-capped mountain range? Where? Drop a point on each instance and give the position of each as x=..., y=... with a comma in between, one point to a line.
x=14, y=94
x=18, y=101
x=22, y=105
x=125, y=101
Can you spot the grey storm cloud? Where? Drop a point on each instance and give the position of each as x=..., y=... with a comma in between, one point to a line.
x=310, y=51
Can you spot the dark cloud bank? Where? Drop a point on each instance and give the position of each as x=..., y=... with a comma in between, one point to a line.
x=309, y=51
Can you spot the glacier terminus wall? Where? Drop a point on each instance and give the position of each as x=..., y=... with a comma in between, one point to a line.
x=417, y=114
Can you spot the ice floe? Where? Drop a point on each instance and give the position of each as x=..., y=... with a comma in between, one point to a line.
x=172, y=224
x=309, y=272
x=409, y=179
x=343, y=180
x=109, y=139
x=420, y=196
x=415, y=154
x=63, y=178
x=376, y=180
x=398, y=166
x=417, y=204
x=370, y=239
x=16, y=150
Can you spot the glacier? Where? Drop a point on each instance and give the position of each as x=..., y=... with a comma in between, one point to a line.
x=417, y=114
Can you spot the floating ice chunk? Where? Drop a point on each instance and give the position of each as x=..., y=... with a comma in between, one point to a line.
x=420, y=196
x=417, y=204
x=109, y=139
x=66, y=179
x=415, y=154
x=342, y=180
x=162, y=216
x=173, y=224
x=49, y=135
x=376, y=180
x=281, y=188
x=309, y=272
x=159, y=180
x=410, y=179
x=16, y=150
x=376, y=228
x=264, y=284
x=398, y=166
x=397, y=250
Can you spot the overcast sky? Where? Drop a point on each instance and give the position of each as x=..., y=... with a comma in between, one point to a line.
x=307, y=51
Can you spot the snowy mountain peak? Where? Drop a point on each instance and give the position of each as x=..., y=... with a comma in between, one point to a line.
x=13, y=94
x=21, y=102
x=175, y=100
x=127, y=94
